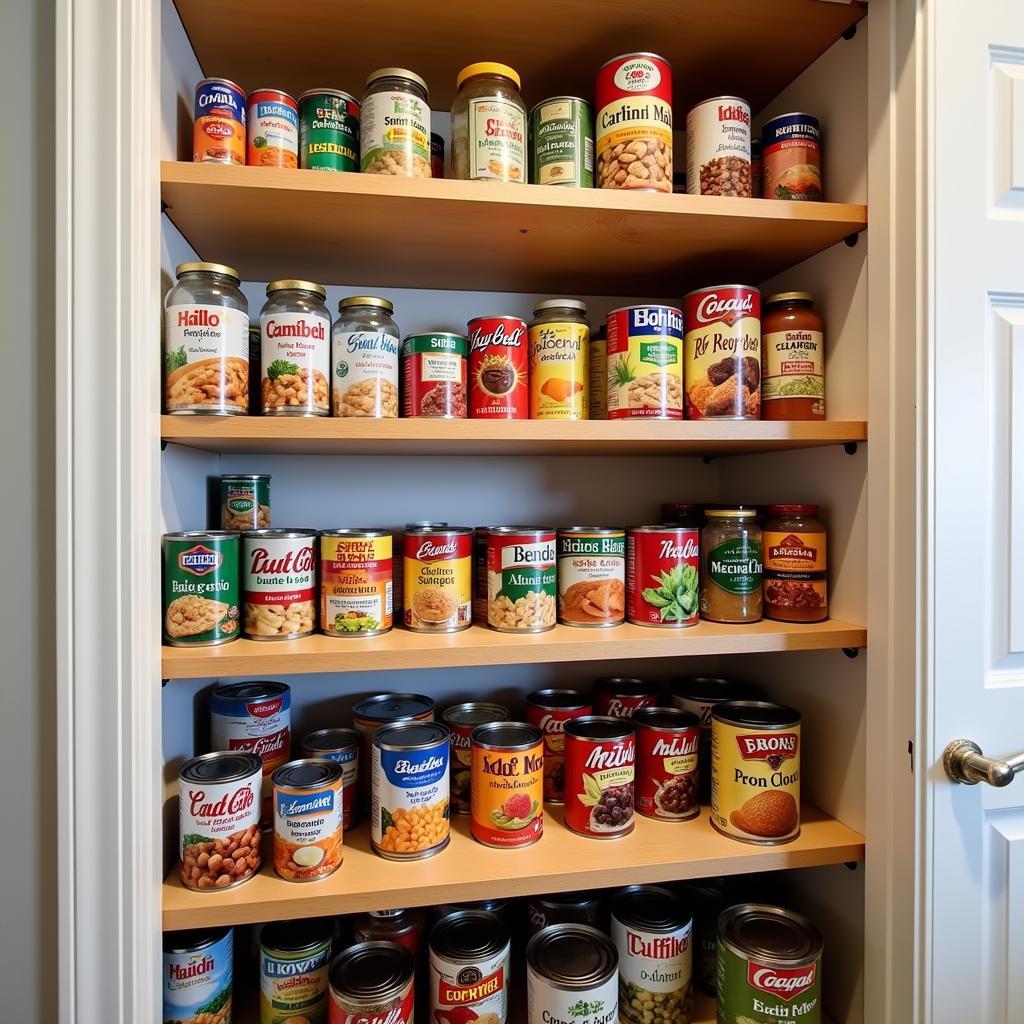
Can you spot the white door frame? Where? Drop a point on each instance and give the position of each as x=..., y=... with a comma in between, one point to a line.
x=108, y=518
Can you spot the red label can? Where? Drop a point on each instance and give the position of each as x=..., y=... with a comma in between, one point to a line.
x=599, y=769
x=498, y=368
x=662, y=575
x=549, y=710
x=667, y=741
x=621, y=697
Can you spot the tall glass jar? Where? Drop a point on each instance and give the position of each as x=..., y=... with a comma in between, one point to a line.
x=488, y=124
x=792, y=358
x=394, y=135
x=365, y=343
x=795, y=564
x=731, y=566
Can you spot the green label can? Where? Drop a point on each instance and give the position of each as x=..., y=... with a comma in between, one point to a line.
x=244, y=502
x=201, y=585
x=562, y=142
x=294, y=961
x=521, y=579
x=328, y=130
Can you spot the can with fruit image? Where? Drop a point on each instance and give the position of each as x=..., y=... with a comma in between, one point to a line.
x=645, y=363
x=600, y=754
x=508, y=784
x=662, y=576
x=666, y=763
x=462, y=719
x=549, y=710
x=498, y=368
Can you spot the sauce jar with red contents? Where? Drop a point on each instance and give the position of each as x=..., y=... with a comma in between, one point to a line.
x=795, y=564
x=792, y=358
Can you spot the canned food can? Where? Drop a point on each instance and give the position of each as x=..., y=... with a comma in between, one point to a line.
x=723, y=319
x=645, y=363
x=219, y=133
x=508, y=784
x=549, y=710
x=294, y=961
x=709, y=897
x=600, y=754
x=462, y=719
x=718, y=148
x=328, y=130
x=244, y=502
x=219, y=819
x=571, y=976
x=435, y=375
x=769, y=964
x=342, y=747
x=653, y=934
x=438, y=579
x=398, y=563
x=372, y=981
x=623, y=696
x=757, y=168
x=559, y=337
x=371, y=713
x=278, y=584
x=634, y=123
x=436, y=155
x=666, y=764
x=356, y=582
x=410, y=787
x=480, y=574
x=273, y=129
x=662, y=575
x=521, y=579
x=365, y=352
x=469, y=967
x=598, y=391
x=755, y=772
x=503, y=909
x=792, y=157
x=395, y=131
x=201, y=585
x=197, y=974
x=584, y=907
x=498, y=368
x=308, y=817
x=403, y=926
x=591, y=576
x=562, y=142
x=253, y=716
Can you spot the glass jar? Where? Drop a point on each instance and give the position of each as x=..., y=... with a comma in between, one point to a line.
x=559, y=347
x=394, y=135
x=295, y=351
x=792, y=358
x=795, y=564
x=678, y=513
x=206, y=342
x=364, y=349
x=488, y=124
x=730, y=566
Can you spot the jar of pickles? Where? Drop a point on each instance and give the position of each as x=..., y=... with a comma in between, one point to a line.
x=731, y=566
x=488, y=124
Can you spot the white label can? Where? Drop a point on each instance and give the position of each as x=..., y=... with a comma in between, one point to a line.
x=571, y=976
x=278, y=584
x=365, y=380
x=718, y=148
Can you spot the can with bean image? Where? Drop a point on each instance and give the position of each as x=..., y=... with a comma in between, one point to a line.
x=278, y=584
x=201, y=588
x=521, y=579
x=197, y=975
x=562, y=142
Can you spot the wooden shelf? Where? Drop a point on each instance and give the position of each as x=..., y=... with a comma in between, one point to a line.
x=404, y=649
x=271, y=435
x=655, y=852
x=399, y=232
x=732, y=47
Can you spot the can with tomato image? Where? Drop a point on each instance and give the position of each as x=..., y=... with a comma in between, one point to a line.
x=273, y=129
x=600, y=755
x=622, y=697
x=498, y=368
x=667, y=742
x=549, y=710
x=662, y=575
x=508, y=784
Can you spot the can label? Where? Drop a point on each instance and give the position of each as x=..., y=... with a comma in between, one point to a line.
x=497, y=140
x=562, y=143
x=634, y=123
x=355, y=585
x=399, y=1010
x=197, y=983
x=293, y=986
x=410, y=816
x=655, y=973
x=748, y=989
x=458, y=988
x=755, y=782
x=559, y=371
x=278, y=587
x=599, y=786
x=329, y=132
x=200, y=590
x=623, y=705
x=219, y=133
x=795, y=573
x=662, y=576
x=723, y=353
x=259, y=727
x=437, y=581
x=498, y=368
x=365, y=381
x=206, y=359
x=308, y=831
x=666, y=769
x=645, y=363
x=244, y=504
x=521, y=581
x=591, y=578
x=718, y=148
x=548, y=1003
x=792, y=158
x=273, y=129
x=793, y=371
x=551, y=722
x=462, y=756
x=296, y=355
x=508, y=796
x=395, y=135
x=598, y=391
x=434, y=375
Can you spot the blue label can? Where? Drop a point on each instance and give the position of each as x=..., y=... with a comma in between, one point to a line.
x=197, y=975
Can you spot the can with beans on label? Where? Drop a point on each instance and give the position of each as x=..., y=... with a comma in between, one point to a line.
x=718, y=148
x=559, y=356
x=469, y=968
x=792, y=157
x=219, y=133
x=244, y=502
x=571, y=976
x=295, y=349
x=197, y=974
x=498, y=368
x=623, y=697
x=342, y=747
x=521, y=579
x=201, y=585
x=364, y=358
x=328, y=130
x=600, y=754
x=438, y=579
x=434, y=375
x=645, y=363
x=308, y=817
x=662, y=575
x=395, y=131
x=549, y=710
x=278, y=584
x=273, y=129
x=666, y=763
x=371, y=983
x=508, y=784
x=591, y=576
x=462, y=719
x=562, y=142
x=356, y=580
x=294, y=961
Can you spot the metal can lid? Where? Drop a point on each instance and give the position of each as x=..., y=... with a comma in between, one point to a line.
x=193, y=940
x=325, y=91
x=328, y=741
x=219, y=81
x=560, y=700
x=372, y=972
x=469, y=935
x=789, y=297
x=250, y=691
x=200, y=266
x=625, y=686
x=356, y=533
x=650, y=908
x=506, y=736
x=602, y=531
x=295, y=936
x=269, y=533
x=211, y=535
x=713, y=689
x=758, y=714
x=772, y=935
x=595, y=728
x=535, y=531
x=221, y=766
x=411, y=76
x=429, y=524
x=392, y=707
x=308, y=773
x=366, y=300
x=431, y=530
x=230, y=478
x=559, y=99
x=290, y=284
x=665, y=719
x=411, y=735
x=560, y=304
x=572, y=955
x=475, y=712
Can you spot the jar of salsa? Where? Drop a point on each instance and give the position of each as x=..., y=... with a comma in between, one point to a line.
x=792, y=358
x=795, y=565
x=730, y=566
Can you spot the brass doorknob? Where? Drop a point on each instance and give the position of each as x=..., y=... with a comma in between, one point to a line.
x=964, y=762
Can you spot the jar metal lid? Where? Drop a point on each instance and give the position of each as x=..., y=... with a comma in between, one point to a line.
x=731, y=513
x=366, y=300
x=291, y=284
x=486, y=67
x=794, y=510
x=789, y=297
x=560, y=304
x=198, y=266
x=396, y=73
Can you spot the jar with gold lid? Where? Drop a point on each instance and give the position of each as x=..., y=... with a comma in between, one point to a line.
x=489, y=124
x=731, y=566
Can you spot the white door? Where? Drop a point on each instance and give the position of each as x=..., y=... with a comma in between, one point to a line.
x=973, y=883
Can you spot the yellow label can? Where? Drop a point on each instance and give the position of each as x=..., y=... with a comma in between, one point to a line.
x=559, y=347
